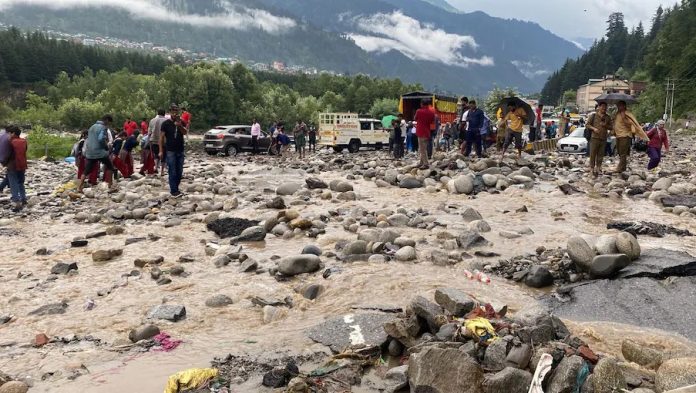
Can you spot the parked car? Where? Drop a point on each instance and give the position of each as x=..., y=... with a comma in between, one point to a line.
x=576, y=143
x=231, y=140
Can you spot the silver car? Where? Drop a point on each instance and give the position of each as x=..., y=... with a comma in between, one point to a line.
x=575, y=143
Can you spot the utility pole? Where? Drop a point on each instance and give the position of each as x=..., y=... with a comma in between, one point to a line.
x=669, y=100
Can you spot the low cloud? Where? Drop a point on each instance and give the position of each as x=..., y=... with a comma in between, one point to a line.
x=238, y=18
x=530, y=69
x=396, y=31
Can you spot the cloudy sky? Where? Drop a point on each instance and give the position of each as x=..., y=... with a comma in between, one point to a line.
x=567, y=18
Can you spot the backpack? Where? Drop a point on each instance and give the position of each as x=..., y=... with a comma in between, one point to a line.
x=5, y=148
x=486, y=125
x=590, y=121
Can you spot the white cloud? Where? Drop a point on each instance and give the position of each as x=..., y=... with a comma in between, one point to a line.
x=238, y=18
x=396, y=31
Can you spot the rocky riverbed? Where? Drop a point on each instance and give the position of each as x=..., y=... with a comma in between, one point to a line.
x=268, y=264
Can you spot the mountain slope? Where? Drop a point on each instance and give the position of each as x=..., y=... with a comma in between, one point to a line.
x=455, y=52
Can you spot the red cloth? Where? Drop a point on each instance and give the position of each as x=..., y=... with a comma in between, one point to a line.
x=148, y=160
x=658, y=138
x=129, y=127
x=81, y=162
x=425, y=118
x=19, y=147
x=143, y=127
x=186, y=118
x=538, y=117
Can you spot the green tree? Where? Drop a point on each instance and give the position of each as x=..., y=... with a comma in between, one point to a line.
x=383, y=107
x=332, y=102
x=492, y=102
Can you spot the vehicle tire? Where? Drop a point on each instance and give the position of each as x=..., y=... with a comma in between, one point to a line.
x=354, y=146
x=379, y=146
x=231, y=150
x=337, y=149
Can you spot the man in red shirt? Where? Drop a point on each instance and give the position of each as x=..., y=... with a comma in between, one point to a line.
x=130, y=126
x=425, y=120
x=17, y=167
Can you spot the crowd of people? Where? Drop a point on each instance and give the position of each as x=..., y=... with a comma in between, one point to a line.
x=161, y=141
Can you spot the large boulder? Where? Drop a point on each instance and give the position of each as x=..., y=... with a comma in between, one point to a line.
x=410, y=182
x=580, y=252
x=608, y=377
x=341, y=332
x=606, y=244
x=628, y=244
x=288, y=188
x=405, y=254
x=313, y=183
x=470, y=214
x=14, y=387
x=252, y=234
x=641, y=354
x=509, y=380
x=564, y=377
x=455, y=301
x=143, y=333
x=340, y=186
x=461, y=185
x=495, y=356
x=676, y=373
x=298, y=264
x=469, y=238
x=606, y=266
x=430, y=312
x=538, y=277
x=170, y=312
x=436, y=370
x=662, y=183
x=355, y=247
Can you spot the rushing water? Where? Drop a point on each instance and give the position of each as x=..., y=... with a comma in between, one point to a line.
x=209, y=332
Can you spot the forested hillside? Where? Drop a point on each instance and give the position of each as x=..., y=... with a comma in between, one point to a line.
x=26, y=58
x=667, y=50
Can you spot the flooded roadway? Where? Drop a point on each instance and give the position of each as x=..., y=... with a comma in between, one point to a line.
x=238, y=329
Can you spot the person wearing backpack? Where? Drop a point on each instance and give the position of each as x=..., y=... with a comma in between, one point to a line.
x=97, y=150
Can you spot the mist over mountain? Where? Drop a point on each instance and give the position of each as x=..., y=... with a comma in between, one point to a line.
x=415, y=40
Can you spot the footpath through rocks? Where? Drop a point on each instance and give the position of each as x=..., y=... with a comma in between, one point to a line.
x=354, y=272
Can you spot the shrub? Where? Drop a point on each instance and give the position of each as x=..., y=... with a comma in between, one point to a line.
x=43, y=143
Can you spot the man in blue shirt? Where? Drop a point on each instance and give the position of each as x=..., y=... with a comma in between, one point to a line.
x=474, y=122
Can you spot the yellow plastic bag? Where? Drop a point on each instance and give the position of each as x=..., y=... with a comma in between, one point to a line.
x=69, y=186
x=192, y=378
x=481, y=328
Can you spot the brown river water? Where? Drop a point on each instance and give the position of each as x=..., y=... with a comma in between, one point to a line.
x=239, y=329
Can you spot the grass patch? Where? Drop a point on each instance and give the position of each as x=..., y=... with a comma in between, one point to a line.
x=43, y=143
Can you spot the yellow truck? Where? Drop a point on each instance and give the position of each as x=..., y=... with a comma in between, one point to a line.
x=347, y=130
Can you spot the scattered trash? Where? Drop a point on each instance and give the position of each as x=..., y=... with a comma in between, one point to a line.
x=636, y=228
x=165, y=342
x=89, y=304
x=542, y=368
x=482, y=329
x=189, y=379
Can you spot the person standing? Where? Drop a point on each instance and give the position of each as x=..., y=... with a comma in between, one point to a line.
x=144, y=125
x=186, y=118
x=625, y=128
x=130, y=126
x=514, y=121
x=255, y=135
x=398, y=144
x=463, y=127
x=97, y=151
x=312, y=139
x=599, y=124
x=172, y=141
x=658, y=138
x=474, y=124
x=16, y=167
x=425, y=119
x=126, y=154
x=154, y=132
x=301, y=141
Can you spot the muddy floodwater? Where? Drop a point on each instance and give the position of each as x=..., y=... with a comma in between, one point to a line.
x=239, y=328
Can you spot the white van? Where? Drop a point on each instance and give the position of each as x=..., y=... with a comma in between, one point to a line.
x=347, y=130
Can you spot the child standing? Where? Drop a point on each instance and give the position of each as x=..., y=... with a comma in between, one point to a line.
x=16, y=168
